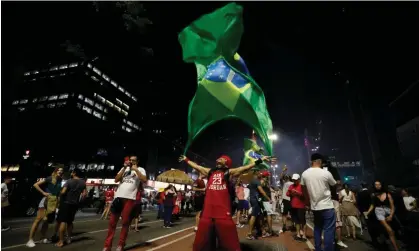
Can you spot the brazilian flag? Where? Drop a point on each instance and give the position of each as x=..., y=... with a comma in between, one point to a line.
x=225, y=88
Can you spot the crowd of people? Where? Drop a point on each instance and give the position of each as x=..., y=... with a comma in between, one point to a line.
x=255, y=202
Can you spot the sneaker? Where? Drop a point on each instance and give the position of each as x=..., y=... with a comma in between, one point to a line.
x=5, y=228
x=45, y=241
x=30, y=244
x=266, y=235
x=341, y=244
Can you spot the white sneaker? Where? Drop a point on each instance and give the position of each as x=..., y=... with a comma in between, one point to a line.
x=341, y=244
x=30, y=244
x=45, y=241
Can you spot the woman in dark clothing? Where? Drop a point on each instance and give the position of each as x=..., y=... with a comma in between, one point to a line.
x=383, y=204
x=169, y=193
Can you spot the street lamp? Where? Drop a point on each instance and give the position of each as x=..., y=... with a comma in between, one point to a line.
x=273, y=137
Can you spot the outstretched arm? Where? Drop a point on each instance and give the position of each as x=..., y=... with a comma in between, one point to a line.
x=239, y=170
x=202, y=170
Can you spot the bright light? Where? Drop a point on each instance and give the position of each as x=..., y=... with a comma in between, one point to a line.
x=273, y=137
x=276, y=165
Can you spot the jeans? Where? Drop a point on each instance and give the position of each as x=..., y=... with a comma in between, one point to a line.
x=160, y=211
x=167, y=215
x=324, y=220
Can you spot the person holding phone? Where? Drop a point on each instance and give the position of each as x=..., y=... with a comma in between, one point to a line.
x=129, y=178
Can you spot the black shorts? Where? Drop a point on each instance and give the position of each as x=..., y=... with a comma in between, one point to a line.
x=256, y=209
x=67, y=212
x=298, y=215
x=136, y=211
x=242, y=205
x=286, y=206
x=199, y=203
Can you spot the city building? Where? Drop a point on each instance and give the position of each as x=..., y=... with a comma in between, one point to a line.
x=76, y=114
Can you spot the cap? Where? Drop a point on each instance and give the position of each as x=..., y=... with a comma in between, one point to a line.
x=126, y=159
x=295, y=176
x=229, y=162
x=316, y=156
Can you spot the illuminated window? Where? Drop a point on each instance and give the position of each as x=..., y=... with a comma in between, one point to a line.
x=61, y=104
x=105, y=110
x=87, y=109
x=128, y=94
x=123, y=127
x=23, y=101
x=97, y=71
x=62, y=67
x=34, y=100
x=40, y=107
x=104, y=117
x=124, y=113
x=121, y=89
x=15, y=102
x=135, y=126
x=73, y=65
x=124, y=120
x=54, y=68
x=98, y=106
x=81, y=97
x=117, y=108
x=86, y=73
x=54, y=97
x=109, y=103
x=129, y=123
x=63, y=74
x=79, y=105
x=52, y=76
x=63, y=96
x=101, y=83
x=134, y=98
x=140, y=129
x=21, y=109
x=119, y=102
x=27, y=73
x=52, y=105
x=94, y=78
x=35, y=72
x=125, y=106
x=100, y=98
x=128, y=129
x=43, y=98
x=89, y=101
x=105, y=77
x=97, y=114
x=89, y=65
x=113, y=83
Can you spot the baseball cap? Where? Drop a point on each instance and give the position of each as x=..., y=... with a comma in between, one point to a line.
x=295, y=176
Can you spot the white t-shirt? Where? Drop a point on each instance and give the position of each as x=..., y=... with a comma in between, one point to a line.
x=285, y=190
x=346, y=197
x=188, y=195
x=318, y=182
x=246, y=193
x=129, y=184
x=4, y=192
x=406, y=200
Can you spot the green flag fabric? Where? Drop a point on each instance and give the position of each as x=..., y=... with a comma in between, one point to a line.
x=225, y=87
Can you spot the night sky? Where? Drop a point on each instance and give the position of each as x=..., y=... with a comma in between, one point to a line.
x=301, y=54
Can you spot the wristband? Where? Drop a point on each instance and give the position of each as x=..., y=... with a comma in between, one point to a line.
x=187, y=160
x=258, y=162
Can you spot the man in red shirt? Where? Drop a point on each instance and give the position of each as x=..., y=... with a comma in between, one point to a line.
x=298, y=212
x=216, y=213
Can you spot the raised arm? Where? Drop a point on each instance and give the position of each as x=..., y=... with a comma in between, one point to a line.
x=200, y=169
x=239, y=170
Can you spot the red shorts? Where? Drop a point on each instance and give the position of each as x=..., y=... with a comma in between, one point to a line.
x=223, y=229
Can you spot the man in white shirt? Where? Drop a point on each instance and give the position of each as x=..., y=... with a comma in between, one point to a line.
x=129, y=177
x=316, y=184
x=409, y=202
x=4, y=202
x=286, y=200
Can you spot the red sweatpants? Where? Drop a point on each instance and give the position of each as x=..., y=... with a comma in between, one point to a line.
x=224, y=229
x=128, y=205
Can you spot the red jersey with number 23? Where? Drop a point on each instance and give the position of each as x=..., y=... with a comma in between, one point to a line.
x=217, y=204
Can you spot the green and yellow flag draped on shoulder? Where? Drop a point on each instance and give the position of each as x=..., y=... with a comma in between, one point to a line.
x=225, y=87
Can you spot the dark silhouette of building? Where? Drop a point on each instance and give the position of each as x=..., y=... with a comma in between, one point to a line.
x=76, y=114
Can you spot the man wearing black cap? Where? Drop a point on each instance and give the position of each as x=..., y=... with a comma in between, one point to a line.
x=316, y=184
